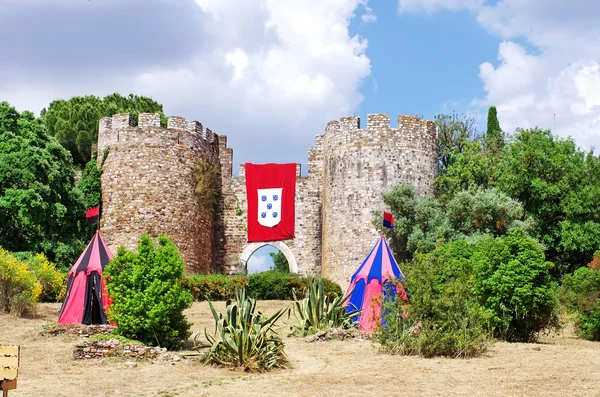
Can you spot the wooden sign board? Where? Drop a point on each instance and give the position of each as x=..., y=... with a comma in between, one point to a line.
x=9, y=366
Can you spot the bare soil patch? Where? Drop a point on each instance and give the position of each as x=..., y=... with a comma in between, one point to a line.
x=560, y=365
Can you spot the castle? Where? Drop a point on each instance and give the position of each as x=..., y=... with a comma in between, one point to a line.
x=178, y=181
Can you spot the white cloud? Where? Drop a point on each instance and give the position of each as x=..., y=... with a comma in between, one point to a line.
x=267, y=73
x=555, y=86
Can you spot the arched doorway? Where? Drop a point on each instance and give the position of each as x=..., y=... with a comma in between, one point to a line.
x=285, y=250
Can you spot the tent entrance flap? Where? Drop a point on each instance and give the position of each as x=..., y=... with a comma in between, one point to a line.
x=93, y=313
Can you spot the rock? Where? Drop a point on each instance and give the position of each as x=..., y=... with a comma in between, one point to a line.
x=130, y=364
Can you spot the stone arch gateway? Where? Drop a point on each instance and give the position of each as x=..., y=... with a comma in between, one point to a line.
x=285, y=250
x=148, y=186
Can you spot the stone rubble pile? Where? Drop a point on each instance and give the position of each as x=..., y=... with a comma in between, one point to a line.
x=80, y=330
x=114, y=348
x=338, y=334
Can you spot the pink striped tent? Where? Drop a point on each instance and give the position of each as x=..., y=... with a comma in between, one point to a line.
x=86, y=299
x=371, y=284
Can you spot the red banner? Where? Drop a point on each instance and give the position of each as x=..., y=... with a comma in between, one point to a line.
x=271, y=193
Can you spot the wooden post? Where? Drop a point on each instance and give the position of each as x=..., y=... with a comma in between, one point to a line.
x=9, y=368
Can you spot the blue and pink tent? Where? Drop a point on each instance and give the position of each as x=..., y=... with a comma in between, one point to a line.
x=372, y=284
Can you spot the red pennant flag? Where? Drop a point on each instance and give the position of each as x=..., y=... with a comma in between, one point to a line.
x=271, y=193
x=91, y=216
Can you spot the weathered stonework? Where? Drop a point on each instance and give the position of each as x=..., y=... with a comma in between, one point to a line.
x=148, y=183
x=148, y=187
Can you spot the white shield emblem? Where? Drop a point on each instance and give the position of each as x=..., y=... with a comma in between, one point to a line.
x=269, y=206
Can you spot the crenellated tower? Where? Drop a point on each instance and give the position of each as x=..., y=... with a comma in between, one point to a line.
x=149, y=180
x=359, y=165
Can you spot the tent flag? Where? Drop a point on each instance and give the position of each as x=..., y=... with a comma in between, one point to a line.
x=372, y=285
x=388, y=220
x=270, y=193
x=91, y=216
x=86, y=299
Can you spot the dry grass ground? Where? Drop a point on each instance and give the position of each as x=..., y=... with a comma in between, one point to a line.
x=558, y=366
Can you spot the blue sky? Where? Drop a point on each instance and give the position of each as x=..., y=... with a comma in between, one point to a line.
x=270, y=74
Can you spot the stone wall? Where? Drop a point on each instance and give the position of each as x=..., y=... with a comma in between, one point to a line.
x=358, y=166
x=148, y=188
x=305, y=247
x=148, y=184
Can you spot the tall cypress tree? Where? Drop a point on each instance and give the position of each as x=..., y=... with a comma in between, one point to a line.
x=493, y=138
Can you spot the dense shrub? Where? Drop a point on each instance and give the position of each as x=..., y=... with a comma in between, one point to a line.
x=442, y=318
x=269, y=285
x=52, y=280
x=513, y=283
x=580, y=292
x=19, y=289
x=148, y=295
x=214, y=287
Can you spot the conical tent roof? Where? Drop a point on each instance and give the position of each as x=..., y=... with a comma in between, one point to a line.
x=372, y=282
x=86, y=299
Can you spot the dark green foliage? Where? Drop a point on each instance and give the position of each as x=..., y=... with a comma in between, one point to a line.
x=74, y=122
x=40, y=209
x=580, y=292
x=494, y=139
x=559, y=186
x=318, y=311
x=148, y=293
x=280, y=261
x=472, y=214
x=89, y=185
x=454, y=134
x=270, y=285
x=472, y=167
x=442, y=318
x=513, y=283
x=246, y=338
x=214, y=287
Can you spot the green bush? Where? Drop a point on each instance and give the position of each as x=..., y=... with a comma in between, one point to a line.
x=148, y=293
x=513, y=283
x=214, y=287
x=580, y=292
x=318, y=311
x=19, y=288
x=246, y=338
x=269, y=285
x=443, y=318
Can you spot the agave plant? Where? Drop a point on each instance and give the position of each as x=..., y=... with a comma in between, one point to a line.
x=318, y=311
x=247, y=338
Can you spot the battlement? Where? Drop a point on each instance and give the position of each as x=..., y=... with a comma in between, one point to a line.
x=120, y=128
x=377, y=122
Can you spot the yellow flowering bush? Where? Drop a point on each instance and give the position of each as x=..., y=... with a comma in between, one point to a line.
x=19, y=288
x=52, y=280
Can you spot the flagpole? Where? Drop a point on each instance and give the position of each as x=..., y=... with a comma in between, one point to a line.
x=99, y=208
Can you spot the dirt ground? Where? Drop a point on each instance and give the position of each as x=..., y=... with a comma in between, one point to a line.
x=560, y=365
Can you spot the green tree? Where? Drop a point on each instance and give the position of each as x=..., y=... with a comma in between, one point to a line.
x=559, y=186
x=40, y=208
x=513, y=283
x=280, y=261
x=74, y=122
x=494, y=138
x=454, y=134
x=472, y=215
x=148, y=293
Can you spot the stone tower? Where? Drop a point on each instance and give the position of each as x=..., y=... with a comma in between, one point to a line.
x=148, y=184
x=359, y=165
